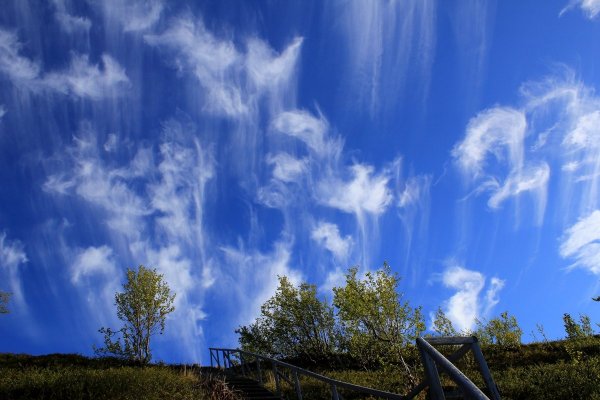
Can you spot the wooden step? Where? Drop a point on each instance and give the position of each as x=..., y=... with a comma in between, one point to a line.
x=249, y=389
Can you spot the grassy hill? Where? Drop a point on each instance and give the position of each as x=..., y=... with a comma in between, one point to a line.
x=70, y=376
x=551, y=370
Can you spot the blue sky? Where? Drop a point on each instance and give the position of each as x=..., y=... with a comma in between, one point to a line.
x=226, y=143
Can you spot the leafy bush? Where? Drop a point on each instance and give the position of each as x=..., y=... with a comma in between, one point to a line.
x=294, y=323
x=377, y=323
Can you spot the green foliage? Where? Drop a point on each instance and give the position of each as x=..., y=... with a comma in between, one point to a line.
x=377, y=324
x=442, y=324
x=503, y=330
x=293, y=323
x=143, y=307
x=69, y=376
x=4, y=299
x=534, y=371
x=576, y=330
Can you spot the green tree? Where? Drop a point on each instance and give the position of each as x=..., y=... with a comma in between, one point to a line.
x=293, y=323
x=4, y=299
x=376, y=322
x=442, y=324
x=503, y=330
x=143, y=307
x=576, y=330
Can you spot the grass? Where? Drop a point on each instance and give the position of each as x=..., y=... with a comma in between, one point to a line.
x=552, y=370
x=67, y=376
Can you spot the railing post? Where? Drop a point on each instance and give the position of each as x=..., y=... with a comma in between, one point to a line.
x=297, y=383
x=334, y=393
x=243, y=368
x=210, y=351
x=435, y=386
x=485, y=371
x=226, y=355
x=260, y=380
x=277, y=383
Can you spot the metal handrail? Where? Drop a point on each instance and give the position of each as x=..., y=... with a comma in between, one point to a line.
x=431, y=358
x=334, y=384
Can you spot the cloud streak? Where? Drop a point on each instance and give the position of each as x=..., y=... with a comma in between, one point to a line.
x=467, y=305
x=582, y=243
x=153, y=205
x=591, y=8
x=328, y=235
x=377, y=76
x=220, y=67
x=82, y=79
x=12, y=257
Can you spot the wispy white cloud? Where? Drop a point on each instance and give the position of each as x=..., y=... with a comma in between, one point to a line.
x=581, y=242
x=499, y=132
x=94, y=272
x=20, y=70
x=491, y=295
x=87, y=177
x=591, y=8
x=151, y=207
x=93, y=261
x=134, y=15
x=221, y=68
x=413, y=199
x=307, y=128
x=467, y=305
x=252, y=276
x=334, y=278
x=533, y=180
x=68, y=22
x=2, y=111
x=267, y=69
x=414, y=192
x=178, y=196
x=328, y=235
x=509, y=151
x=287, y=168
x=12, y=257
x=358, y=189
x=84, y=79
x=364, y=192
x=81, y=79
x=378, y=76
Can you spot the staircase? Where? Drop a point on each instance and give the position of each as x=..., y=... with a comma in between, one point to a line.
x=239, y=368
x=248, y=388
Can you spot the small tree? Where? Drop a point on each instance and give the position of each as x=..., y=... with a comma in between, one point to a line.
x=4, y=299
x=377, y=324
x=503, y=330
x=143, y=307
x=293, y=323
x=442, y=324
x=576, y=330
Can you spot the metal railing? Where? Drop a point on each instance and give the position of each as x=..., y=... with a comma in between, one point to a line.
x=432, y=359
x=248, y=363
x=240, y=361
